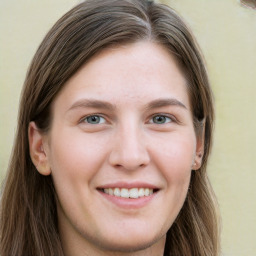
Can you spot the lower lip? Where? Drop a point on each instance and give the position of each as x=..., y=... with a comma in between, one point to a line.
x=129, y=203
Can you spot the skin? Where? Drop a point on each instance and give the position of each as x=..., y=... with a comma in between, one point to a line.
x=128, y=145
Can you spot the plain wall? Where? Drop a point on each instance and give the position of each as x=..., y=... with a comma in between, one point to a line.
x=226, y=32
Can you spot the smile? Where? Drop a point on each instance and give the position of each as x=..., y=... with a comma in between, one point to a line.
x=128, y=193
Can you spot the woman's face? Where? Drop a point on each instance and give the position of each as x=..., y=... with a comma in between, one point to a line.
x=121, y=149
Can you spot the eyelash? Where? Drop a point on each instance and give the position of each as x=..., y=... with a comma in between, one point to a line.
x=85, y=119
x=165, y=116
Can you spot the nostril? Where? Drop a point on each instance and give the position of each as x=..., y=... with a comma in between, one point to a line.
x=128, y=159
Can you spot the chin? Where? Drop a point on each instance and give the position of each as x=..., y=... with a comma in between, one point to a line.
x=131, y=243
x=130, y=246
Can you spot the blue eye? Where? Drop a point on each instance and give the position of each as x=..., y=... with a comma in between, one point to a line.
x=95, y=119
x=161, y=119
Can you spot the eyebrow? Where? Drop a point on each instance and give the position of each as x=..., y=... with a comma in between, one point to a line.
x=99, y=104
x=92, y=103
x=164, y=103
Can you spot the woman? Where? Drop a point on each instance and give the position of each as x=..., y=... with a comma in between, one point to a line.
x=114, y=133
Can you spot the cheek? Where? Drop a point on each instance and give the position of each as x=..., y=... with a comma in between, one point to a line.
x=75, y=161
x=75, y=158
x=174, y=157
x=75, y=148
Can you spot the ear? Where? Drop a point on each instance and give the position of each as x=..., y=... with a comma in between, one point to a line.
x=37, y=151
x=199, y=150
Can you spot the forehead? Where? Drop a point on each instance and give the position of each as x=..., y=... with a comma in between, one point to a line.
x=130, y=74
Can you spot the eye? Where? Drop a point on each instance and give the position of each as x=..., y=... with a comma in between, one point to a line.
x=94, y=119
x=160, y=119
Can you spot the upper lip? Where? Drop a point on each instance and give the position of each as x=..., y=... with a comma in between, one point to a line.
x=128, y=185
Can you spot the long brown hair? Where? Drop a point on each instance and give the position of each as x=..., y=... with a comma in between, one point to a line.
x=28, y=216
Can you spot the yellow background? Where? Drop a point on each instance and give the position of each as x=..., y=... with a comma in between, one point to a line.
x=226, y=31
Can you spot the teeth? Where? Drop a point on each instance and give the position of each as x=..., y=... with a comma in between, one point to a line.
x=134, y=193
x=117, y=192
x=110, y=191
x=125, y=193
x=129, y=193
x=141, y=192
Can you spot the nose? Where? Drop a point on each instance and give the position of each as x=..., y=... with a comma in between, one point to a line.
x=129, y=151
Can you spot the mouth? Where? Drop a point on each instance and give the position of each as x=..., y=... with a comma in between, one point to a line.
x=132, y=193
